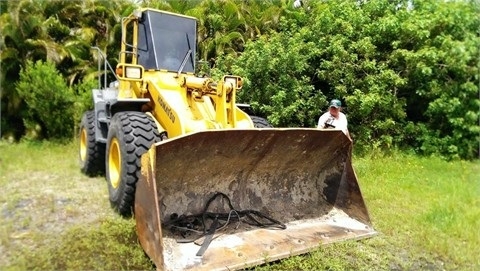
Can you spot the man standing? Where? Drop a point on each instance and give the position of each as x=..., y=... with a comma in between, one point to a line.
x=334, y=118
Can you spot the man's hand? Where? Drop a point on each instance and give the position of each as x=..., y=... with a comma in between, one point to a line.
x=329, y=123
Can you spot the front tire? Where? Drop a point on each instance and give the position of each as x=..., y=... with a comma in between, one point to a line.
x=91, y=153
x=130, y=135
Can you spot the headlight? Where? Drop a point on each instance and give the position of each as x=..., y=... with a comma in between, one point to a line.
x=133, y=72
x=129, y=72
x=235, y=80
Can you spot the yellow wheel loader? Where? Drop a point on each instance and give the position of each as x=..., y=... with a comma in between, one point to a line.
x=210, y=187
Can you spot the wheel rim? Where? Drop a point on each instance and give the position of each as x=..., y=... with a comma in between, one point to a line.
x=114, y=161
x=83, y=145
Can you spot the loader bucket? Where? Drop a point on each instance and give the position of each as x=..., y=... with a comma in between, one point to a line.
x=199, y=193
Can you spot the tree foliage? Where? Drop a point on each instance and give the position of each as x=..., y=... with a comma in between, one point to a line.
x=59, y=31
x=408, y=75
x=440, y=61
x=407, y=71
x=276, y=84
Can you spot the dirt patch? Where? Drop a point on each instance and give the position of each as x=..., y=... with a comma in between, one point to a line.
x=39, y=204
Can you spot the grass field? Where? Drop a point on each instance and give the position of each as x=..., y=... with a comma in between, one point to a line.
x=426, y=210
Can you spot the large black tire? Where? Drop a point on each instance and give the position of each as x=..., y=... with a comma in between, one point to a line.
x=91, y=153
x=259, y=122
x=130, y=135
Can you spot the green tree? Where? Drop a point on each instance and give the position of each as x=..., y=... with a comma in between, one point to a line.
x=219, y=28
x=275, y=84
x=87, y=23
x=59, y=31
x=20, y=29
x=407, y=73
x=176, y=6
x=352, y=66
x=225, y=26
x=437, y=51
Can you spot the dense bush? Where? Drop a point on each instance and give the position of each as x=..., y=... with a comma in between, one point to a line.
x=49, y=99
x=276, y=82
x=408, y=75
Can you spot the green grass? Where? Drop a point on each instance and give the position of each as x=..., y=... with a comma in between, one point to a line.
x=55, y=218
x=427, y=204
x=426, y=210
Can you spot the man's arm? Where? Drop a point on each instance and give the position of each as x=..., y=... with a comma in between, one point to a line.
x=347, y=133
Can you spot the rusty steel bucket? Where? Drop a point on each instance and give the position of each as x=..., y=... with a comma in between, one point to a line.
x=299, y=184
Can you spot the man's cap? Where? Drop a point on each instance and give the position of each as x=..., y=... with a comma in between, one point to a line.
x=335, y=103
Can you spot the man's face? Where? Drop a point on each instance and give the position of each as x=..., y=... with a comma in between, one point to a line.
x=334, y=111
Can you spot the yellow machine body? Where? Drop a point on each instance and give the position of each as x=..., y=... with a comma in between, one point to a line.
x=204, y=145
x=180, y=101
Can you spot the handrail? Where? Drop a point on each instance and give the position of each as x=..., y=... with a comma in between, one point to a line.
x=124, y=34
x=105, y=64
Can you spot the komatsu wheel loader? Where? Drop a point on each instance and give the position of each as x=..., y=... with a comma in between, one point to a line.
x=210, y=187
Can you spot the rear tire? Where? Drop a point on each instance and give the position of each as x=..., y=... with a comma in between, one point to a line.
x=130, y=135
x=259, y=122
x=91, y=153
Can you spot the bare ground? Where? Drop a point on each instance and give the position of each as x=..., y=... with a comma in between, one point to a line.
x=39, y=203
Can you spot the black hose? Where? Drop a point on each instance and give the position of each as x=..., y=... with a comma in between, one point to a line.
x=184, y=224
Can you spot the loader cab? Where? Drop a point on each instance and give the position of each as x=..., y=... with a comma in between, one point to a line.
x=164, y=41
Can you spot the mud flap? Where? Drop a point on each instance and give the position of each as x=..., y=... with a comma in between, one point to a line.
x=301, y=177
